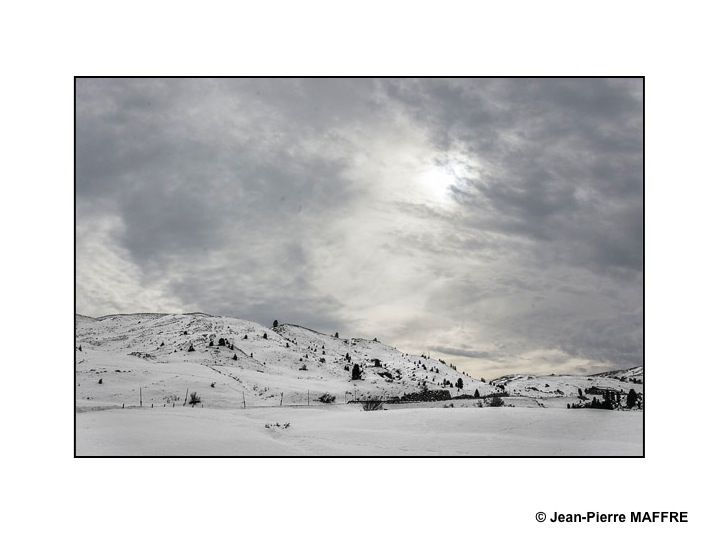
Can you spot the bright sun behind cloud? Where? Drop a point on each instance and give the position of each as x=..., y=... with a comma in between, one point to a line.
x=435, y=182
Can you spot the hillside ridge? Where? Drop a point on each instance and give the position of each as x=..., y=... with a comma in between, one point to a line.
x=233, y=362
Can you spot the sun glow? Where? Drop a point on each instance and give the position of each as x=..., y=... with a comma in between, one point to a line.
x=435, y=182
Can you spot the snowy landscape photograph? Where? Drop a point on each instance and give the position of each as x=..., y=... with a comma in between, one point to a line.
x=375, y=267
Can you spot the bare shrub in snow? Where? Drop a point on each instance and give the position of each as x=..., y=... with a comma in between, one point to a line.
x=326, y=398
x=277, y=425
x=194, y=398
x=496, y=401
x=373, y=404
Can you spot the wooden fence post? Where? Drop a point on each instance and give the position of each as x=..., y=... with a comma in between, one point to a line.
x=308, y=398
x=186, y=393
x=243, y=400
x=141, y=396
x=281, y=397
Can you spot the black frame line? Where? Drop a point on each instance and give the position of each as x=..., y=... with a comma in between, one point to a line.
x=75, y=413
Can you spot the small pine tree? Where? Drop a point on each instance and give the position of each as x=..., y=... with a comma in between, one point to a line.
x=191, y=348
x=337, y=335
x=287, y=345
x=632, y=398
x=100, y=381
x=235, y=356
x=275, y=323
x=221, y=342
x=211, y=343
x=459, y=383
x=80, y=348
x=162, y=344
x=245, y=337
x=265, y=335
x=477, y=393
x=355, y=376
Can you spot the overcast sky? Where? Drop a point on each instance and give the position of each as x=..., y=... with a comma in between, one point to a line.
x=495, y=223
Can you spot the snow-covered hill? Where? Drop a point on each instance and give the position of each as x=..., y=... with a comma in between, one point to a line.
x=244, y=371
x=255, y=365
x=636, y=374
x=561, y=390
x=231, y=363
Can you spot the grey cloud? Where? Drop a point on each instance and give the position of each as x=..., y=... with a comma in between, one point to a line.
x=470, y=353
x=260, y=198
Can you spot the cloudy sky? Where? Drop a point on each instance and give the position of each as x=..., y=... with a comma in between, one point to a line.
x=495, y=223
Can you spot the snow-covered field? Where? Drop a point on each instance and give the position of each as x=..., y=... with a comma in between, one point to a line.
x=348, y=430
x=233, y=364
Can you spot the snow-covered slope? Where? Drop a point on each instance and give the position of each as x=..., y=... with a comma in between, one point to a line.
x=636, y=373
x=151, y=352
x=257, y=365
x=559, y=390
